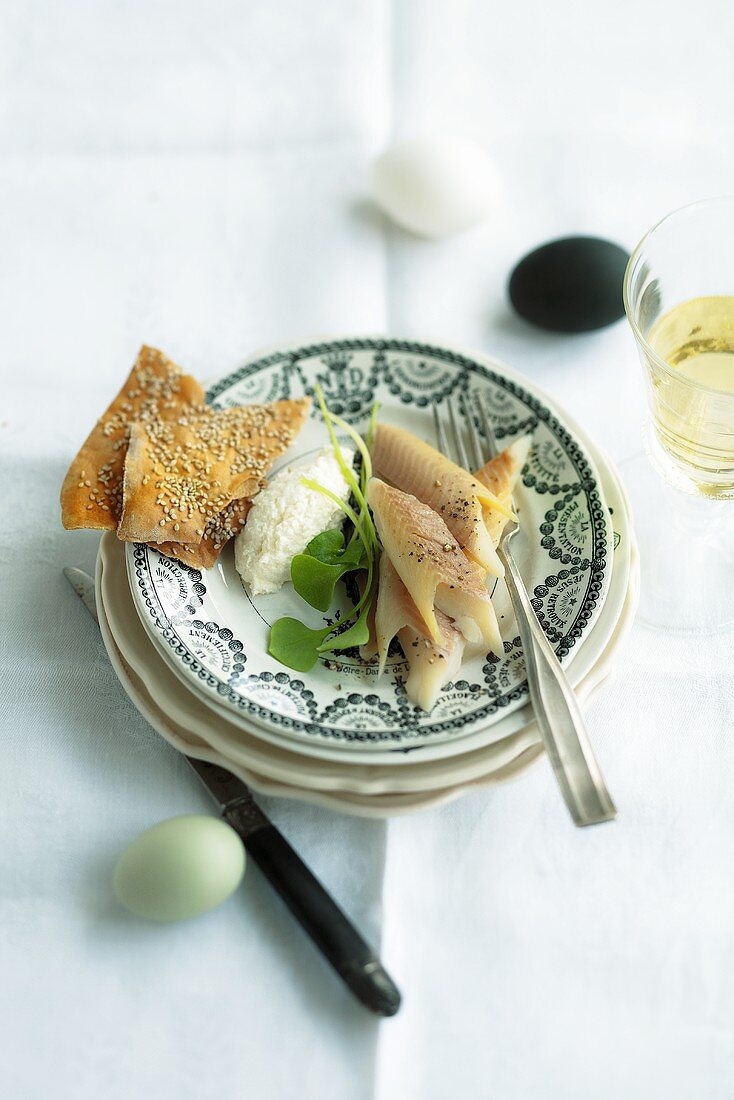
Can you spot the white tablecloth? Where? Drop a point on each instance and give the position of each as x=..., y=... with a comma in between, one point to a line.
x=194, y=176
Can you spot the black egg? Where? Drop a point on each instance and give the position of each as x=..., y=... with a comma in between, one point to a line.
x=570, y=285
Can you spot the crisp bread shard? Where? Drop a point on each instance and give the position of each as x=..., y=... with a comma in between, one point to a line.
x=180, y=474
x=156, y=389
x=217, y=534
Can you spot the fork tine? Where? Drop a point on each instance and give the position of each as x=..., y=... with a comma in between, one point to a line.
x=475, y=444
x=461, y=455
x=491, y=445
x=441, y=437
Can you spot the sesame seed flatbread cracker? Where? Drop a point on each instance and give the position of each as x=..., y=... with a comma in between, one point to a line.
x=217, y=533
x=181, y=473
x=91, y=495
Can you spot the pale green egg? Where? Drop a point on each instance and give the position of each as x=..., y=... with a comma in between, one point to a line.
x=180, y=868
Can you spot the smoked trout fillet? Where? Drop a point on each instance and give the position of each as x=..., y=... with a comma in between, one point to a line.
x=430, y=563
x=500, y=476
x=414, y=467
x=430, y=666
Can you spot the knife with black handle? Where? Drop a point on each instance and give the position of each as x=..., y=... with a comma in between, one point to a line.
x=313, y=907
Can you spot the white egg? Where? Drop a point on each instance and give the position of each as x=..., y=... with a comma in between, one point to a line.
x=436, y=185
x=180, y=868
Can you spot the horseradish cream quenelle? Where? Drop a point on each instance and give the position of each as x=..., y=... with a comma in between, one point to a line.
x=284, y=518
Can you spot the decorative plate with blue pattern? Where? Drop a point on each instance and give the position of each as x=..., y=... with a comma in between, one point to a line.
x=214, y=634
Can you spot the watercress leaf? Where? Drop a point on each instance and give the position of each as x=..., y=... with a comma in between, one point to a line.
x=327, y=546
x=315, y=581
x=355, y=635
x=294, y=644
x=361, y=564
x=355, y=553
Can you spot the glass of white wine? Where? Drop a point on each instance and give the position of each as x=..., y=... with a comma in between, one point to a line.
x=679, y=298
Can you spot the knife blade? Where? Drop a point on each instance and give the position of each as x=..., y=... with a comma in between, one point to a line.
x=313, y=907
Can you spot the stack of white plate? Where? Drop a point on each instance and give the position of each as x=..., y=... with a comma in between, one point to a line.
x=190, y=648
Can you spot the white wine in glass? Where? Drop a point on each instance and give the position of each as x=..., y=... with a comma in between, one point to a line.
x=696, y=339
x=679, y=298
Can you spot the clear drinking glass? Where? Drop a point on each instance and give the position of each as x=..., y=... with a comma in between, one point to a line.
x=679, y=298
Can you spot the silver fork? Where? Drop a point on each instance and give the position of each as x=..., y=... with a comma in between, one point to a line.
x=556, y=710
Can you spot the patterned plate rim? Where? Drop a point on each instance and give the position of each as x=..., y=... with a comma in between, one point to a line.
x=624, y=579
x=174, y=647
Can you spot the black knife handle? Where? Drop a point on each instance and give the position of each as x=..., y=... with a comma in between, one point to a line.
x=323, y=920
